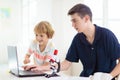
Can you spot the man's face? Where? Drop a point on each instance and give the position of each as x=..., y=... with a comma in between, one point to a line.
x=77, y=22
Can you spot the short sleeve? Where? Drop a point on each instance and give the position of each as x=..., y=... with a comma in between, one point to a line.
x=114, y=46
x=32, y=47
x=72, y=55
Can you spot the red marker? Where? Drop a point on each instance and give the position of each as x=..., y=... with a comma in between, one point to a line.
x=55, y=52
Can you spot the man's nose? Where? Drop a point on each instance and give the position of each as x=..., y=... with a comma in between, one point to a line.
x=73, y=25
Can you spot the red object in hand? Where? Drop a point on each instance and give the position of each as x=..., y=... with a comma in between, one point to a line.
x=55, y=52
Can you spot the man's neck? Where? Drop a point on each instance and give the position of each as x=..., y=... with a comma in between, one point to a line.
x=90, y=33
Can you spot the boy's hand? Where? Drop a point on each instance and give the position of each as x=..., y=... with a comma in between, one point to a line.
x=27, y=60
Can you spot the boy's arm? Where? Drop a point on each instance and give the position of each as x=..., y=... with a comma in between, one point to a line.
x=26, y=60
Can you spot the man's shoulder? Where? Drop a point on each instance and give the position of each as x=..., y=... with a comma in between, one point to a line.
x=103, y=30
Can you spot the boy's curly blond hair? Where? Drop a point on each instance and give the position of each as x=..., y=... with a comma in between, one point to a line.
x=44, y=27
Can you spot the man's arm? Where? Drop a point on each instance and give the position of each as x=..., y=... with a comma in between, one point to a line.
x=116, y=70
x=108, y=76
x=63, y=66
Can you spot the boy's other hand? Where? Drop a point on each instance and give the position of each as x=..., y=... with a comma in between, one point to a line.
x=27, y=60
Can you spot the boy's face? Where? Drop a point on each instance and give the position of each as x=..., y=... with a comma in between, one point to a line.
x=42, y=38
x=77, y=22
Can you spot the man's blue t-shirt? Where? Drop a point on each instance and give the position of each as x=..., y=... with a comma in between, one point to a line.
x=100, y=56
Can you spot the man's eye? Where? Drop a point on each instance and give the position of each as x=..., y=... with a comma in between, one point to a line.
x=74, y=21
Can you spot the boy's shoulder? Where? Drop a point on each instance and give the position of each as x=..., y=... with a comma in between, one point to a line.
x=50, y=44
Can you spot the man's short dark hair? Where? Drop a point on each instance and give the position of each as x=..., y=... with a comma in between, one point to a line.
x=81, y=9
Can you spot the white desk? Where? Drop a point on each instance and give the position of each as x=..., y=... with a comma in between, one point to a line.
x=5, y=75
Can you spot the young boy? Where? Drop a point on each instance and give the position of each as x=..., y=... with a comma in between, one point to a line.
x=42, y=47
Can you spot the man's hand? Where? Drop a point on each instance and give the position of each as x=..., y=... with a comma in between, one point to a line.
x=102, y=76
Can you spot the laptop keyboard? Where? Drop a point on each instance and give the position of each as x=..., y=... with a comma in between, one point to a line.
x=24, y=72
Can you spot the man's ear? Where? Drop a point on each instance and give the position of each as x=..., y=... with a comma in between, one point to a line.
x=87, y=18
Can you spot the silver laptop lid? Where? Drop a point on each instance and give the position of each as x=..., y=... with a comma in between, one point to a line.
x=13, y=59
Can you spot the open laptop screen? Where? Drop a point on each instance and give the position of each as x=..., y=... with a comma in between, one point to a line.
x=13, y=59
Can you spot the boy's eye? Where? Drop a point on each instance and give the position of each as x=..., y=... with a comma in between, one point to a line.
x=36, y=35
x=41, y=35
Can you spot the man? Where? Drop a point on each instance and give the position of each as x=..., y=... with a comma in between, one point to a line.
x=96, y=47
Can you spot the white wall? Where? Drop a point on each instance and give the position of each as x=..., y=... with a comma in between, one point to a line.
x=10, y=26
x=64, y=30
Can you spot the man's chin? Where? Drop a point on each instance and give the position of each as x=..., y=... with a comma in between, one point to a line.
x=79, y=32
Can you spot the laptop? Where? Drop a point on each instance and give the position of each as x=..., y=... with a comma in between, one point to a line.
x=15, y=69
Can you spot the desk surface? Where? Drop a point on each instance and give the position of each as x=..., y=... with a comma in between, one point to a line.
x=5, y=75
